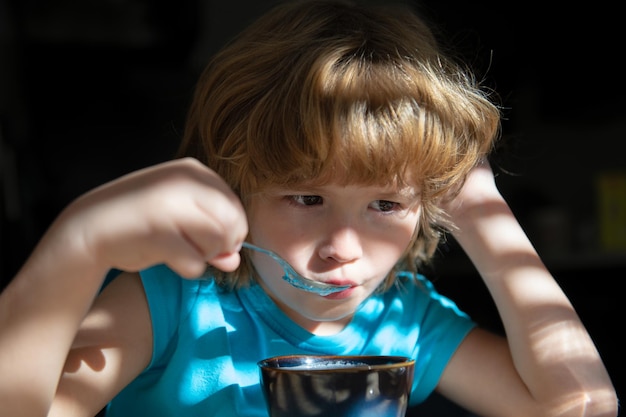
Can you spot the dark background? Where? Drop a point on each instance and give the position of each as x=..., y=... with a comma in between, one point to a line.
x=93, y=89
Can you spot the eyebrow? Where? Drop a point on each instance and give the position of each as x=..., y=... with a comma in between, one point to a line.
x=409, y=193
x=406, y=192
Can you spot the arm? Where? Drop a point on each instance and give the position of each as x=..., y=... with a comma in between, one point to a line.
x=113, y=345
x=548, y=366
x=179, y=213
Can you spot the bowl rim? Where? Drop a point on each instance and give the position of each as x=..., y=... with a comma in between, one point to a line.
x=386, y=362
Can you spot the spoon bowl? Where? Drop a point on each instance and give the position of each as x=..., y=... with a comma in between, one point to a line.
x=297, y=280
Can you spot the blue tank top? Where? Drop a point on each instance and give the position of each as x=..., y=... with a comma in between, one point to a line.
x=207, y=343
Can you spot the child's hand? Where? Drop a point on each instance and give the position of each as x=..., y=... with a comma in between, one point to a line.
x=179, y=213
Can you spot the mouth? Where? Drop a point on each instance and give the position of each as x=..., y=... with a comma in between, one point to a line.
x=341, y=294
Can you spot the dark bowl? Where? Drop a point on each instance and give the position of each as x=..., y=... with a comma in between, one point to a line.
x=337, y=386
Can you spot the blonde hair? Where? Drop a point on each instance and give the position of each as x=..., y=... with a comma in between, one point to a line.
x=327, y=90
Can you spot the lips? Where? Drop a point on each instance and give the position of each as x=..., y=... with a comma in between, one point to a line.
x=341, y=282
x=341, y=294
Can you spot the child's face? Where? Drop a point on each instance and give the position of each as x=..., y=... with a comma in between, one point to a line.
x=342, y=234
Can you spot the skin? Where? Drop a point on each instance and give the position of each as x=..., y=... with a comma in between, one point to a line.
x=182, y=214
x=341, y=234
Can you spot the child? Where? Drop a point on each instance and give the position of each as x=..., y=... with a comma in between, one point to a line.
x=342, y=139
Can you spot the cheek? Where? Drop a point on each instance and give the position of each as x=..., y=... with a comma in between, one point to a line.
x=385, y=255
x=407, y=232
x=269, y=270
x=273, y=228
x=388, y=247
x=266, y=267
x=410, y=236
x=262, y=220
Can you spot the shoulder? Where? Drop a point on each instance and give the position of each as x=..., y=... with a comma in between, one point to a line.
x=165, y=289
x=419, y=292
x=427, y=324
x=413, y=304
x=173, y=300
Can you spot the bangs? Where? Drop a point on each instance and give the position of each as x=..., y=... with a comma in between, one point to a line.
x=349, y=123
x=349, y=98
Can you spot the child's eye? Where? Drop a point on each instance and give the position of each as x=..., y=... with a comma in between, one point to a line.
x=306, y=200
x=385, y=206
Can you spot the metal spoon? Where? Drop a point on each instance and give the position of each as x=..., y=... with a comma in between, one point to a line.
x=297, y=280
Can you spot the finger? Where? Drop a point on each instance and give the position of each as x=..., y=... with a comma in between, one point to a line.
x=227, y=262
x=177, y=252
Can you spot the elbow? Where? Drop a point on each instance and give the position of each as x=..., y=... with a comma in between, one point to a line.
x=601, y=403
x=593, y=403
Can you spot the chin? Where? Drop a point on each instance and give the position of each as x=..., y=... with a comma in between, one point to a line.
x=343, y=314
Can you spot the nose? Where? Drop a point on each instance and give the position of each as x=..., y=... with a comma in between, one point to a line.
x=342, y=245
